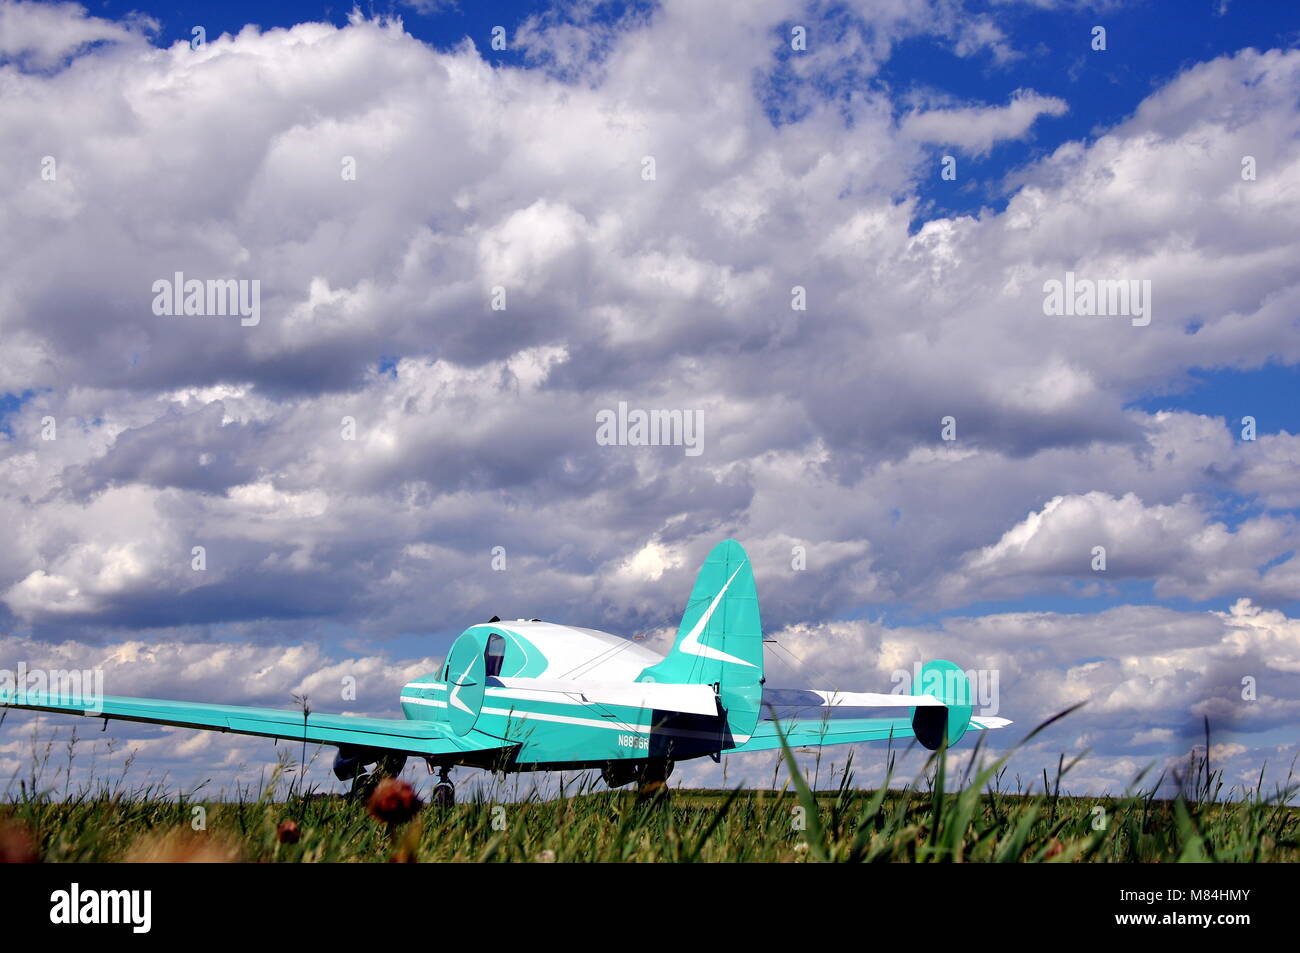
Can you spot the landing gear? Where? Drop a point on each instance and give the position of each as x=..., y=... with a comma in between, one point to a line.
x=363, y=785
x=444, y=793
x=652, y=780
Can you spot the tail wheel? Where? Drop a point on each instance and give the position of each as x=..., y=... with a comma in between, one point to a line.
x=651, y=790
x=652, y=780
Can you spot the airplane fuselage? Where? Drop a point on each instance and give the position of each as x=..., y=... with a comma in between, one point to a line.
x=563, y=726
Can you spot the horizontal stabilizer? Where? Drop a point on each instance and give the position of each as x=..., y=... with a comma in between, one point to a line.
x=831, y=699
x=801, y=732
x=792, y=700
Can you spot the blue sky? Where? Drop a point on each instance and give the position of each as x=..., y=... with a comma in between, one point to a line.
x=1147, y=44
x=523, y=169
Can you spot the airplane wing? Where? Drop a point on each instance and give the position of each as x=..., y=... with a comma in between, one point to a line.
x=410, y=737
x=813, y=732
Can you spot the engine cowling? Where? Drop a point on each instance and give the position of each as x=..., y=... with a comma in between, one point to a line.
x=352, y=761
x=466, y=679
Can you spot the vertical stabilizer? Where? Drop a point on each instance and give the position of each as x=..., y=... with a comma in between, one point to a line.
x=720, y=639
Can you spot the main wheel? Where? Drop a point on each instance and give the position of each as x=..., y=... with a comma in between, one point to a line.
x=388, y=766
x=363, y=785
x=444, y=795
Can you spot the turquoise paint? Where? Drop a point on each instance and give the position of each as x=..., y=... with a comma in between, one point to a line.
x=947, y=682
x=466, y=680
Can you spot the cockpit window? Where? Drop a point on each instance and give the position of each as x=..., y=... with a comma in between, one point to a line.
x=495, y=654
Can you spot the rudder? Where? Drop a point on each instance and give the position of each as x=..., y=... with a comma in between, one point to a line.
x=720, y=639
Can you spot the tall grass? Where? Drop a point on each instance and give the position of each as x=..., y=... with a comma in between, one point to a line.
x=922, y=822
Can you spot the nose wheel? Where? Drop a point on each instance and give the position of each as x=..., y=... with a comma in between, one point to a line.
x=444, y=792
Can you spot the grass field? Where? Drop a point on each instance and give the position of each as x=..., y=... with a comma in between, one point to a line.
x=976, y=823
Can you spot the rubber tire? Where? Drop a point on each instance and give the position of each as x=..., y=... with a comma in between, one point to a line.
x=652, y=780
x=363, y=785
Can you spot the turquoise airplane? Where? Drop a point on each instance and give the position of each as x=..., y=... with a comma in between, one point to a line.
x=532, y=695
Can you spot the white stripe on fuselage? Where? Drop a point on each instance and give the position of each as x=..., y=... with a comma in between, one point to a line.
x=571, y=720
x=694, y=699
x=691, y=645
x=454, y=697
